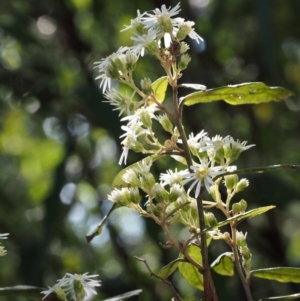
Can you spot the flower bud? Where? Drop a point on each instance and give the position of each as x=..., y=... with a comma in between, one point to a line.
x=246, y=253
x=131, y=178
x=184, y=61
x=147, y=181
x=146, y=85
x=236, y=208
x=211, y=219
x=166, y=123
x=146, y=119
x=243, y=205
x=241, y=239
x=242, y=184
x=231, y=181
x=160, y=194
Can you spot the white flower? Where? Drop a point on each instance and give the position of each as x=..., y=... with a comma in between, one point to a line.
x=121, y=102
x=160, y=17
x=137, y=24
x=196, y=142
x=132, y=131
x=202, y=173
x=140, y=115
x=145, y=41
x=106, y=69
x=172, y=177
x=183, y=28
x=79, y=285
x=57, y=290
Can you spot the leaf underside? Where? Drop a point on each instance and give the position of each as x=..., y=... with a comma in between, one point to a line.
x=247, y=93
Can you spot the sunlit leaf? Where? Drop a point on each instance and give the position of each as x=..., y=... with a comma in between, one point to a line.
x=287, y=297
x=119, y=182
x=241, y=216
x=281, y=274
x=189, y=272
x=194, y=86
x=224, y=265
x=159, y=88
x=247, y=93
x=169, y=269
x=124, y=296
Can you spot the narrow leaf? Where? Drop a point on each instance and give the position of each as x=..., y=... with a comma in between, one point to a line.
x=118, y=181
x=100, y=226
x=281, y=274
x=287, y=297
x=224, y=265
x=169, y=269
x=189, y=272
x=241, y=216
x=247, y=93
x=124, y=296
x=159, y=88
x=30, y=292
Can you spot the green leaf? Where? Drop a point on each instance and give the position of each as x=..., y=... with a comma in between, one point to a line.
x=125, y=296
x=159, y=88
x=189, y=272
x=247, y=93
x=224, y=265
x=118, y=181
x=281, y=274
x=241, y=216
x=287, y=297
x=169, y=269
x=100, y=226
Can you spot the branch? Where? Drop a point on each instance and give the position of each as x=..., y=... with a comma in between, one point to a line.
x=168, y=283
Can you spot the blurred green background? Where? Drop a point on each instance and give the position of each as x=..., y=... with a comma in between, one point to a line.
x=59, y=143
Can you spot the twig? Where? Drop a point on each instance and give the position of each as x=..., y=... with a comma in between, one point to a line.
x=168, y=283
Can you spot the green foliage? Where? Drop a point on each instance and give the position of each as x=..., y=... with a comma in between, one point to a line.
x=159, y=88
x=248, y=93
x=281, y=274
x=189, y=272
x=224, y=265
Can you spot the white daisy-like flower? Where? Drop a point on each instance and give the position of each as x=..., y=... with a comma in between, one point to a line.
x=132, y=131
x=57, y=290
x=184, y=28
x=79, y=285
x=202, y=173
x=196, y=142
x=141, y=114
x=136, y=24
x=106, y=69
x=124, y=103
x=146, y=41
x=160, y=16
x=172, y=177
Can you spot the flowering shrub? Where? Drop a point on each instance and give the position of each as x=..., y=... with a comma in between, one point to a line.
x=204, y=163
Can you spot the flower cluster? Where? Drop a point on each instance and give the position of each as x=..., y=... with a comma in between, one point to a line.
x=74, y=287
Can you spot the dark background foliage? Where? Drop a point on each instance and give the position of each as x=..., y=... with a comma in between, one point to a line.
x=59, y=143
